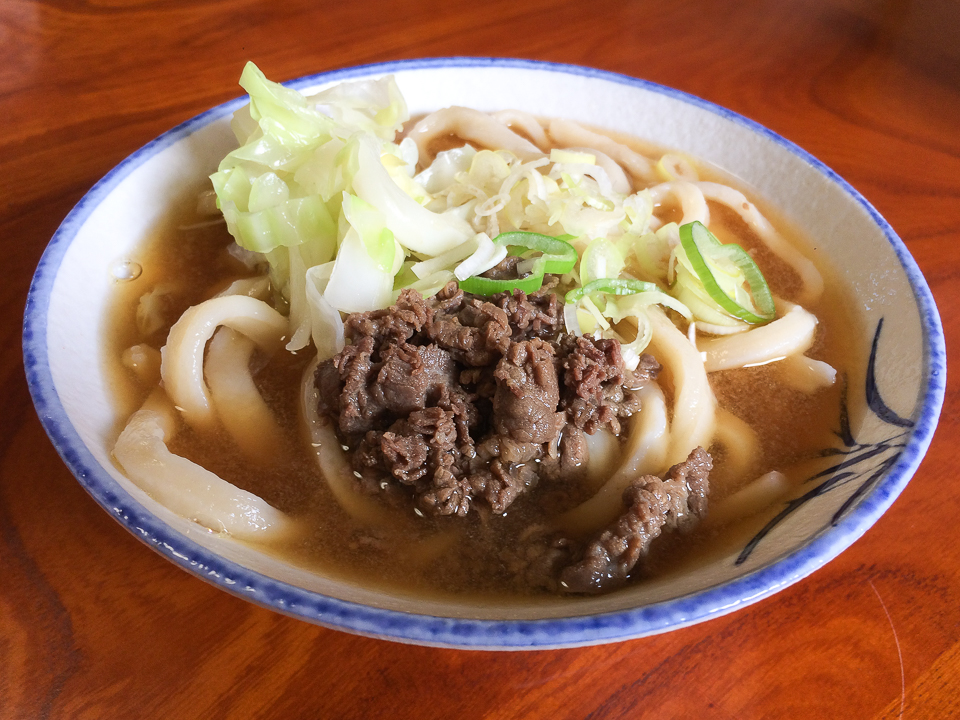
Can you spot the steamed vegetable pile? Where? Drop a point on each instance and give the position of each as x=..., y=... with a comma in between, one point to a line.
x=338, y=209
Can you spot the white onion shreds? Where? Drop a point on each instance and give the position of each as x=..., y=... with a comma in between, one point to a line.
x=566, y=133
x=740, y=443
x=806, y=374
x=618, y=178
x=430, y=285
x=187, y=489
x=473, y=125
x=692, y=203
x=570, y=322
x=527, y=123
x=333, y=462
x=413, y=225
x=694, y=404
x=426, y=268
x=789, y=335
x=758, y=495
x=487, y=255
x=736, y=201
x=239, y=405
x=182, y=357
x=643, y=453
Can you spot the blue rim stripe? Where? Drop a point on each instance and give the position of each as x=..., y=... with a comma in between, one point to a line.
x=466, y=633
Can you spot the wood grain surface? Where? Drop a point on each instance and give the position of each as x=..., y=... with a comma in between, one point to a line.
x=94, y=625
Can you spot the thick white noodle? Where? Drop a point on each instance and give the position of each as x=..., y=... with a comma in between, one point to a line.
x=691, y=200
x=791, y=334
x=736, y=201
x=694, y=404
x=333, y=462
x=184, y=487
x=182, y=357
x=644, y=453
x=527, y=123
x=255, y=287
x=473, y=125
x=152, y=309
x=711, y=329
x=240, y=407
x=144, y=361
x=740, y=443
x=749, y=500
x=566, y=133
x=603, y=456
x=806, y=374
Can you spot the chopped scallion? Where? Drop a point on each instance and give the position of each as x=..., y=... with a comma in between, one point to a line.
x=610, y=286
x=488, y=286
x=557, y=256
x=702, y=246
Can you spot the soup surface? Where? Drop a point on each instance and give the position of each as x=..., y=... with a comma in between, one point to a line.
x=190, y=260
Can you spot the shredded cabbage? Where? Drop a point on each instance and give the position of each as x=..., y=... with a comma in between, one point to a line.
x=321, y=190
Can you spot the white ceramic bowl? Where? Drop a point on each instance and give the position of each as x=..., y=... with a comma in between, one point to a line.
x=904, y=387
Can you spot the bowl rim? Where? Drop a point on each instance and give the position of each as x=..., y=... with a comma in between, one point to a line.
x=575, y=630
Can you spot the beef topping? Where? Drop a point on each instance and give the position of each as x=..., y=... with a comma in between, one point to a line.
x=462, y=397
x=594, y=383
x=527, y=396
x=653, y=505
x=467, y=402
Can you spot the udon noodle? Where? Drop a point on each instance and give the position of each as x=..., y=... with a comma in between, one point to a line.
x=230, y=434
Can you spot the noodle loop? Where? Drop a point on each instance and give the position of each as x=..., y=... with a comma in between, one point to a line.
x=182, y=363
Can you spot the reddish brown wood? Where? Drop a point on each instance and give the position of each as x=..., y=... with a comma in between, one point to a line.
x=93, y=625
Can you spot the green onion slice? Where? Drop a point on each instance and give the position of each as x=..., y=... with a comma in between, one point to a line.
x=611, y=286
x=700, y=244
x=557, y=256
x=488, y=286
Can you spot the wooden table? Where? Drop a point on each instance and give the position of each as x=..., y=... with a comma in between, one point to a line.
x=94, y=625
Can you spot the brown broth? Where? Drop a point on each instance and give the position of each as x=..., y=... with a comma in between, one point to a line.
x=444, y=557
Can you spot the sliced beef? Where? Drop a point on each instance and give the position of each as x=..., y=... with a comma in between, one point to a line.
x=598, y=390
x=506, y=269
x=421, y=451
x=475, y=332
x=411, y=377
x=566, y=460
x=535, y=316
x=525, y=404
x=461, y=399
x=358, y=410
x=399, y=322
x=365, y=394
x=647, y=369
x=653, y=505
x=501, y=482
x=536, y=559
